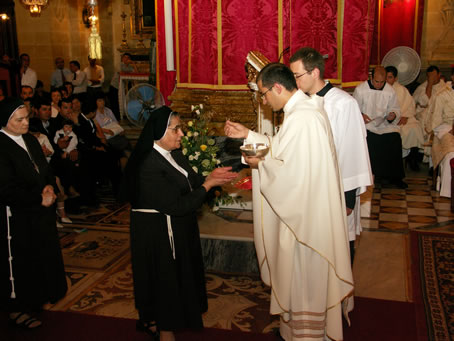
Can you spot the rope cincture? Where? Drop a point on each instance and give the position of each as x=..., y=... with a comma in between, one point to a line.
x=10, y=256
x=169, y=226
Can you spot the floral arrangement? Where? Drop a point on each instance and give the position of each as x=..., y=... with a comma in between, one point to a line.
x=201, y=150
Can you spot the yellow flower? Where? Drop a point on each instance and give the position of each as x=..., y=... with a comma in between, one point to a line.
x=203, y=147
x=190, y=123
x=189, y=134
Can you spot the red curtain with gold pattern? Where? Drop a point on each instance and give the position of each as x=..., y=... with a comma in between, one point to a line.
x=213, y=37
x=398, y=23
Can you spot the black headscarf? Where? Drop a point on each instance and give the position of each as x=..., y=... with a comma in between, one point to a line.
x=154, y=130
x=7, y=108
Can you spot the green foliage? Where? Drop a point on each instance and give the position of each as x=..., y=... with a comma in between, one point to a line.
x=201, y=151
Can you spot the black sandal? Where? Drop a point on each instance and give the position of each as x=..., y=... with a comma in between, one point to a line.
x=146, y=327
x=27, y=323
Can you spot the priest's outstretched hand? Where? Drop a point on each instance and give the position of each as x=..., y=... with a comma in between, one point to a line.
x=235, y=130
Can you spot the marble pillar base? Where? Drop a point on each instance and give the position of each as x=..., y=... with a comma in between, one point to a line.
x=236, y=256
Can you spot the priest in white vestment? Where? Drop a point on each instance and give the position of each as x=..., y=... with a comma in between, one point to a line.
x=349, y=132
x=300, y=228
x=378, y=103
x=410, y=128
x=441, y=123
x=425, y=96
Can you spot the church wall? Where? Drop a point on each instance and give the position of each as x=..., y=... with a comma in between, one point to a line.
x=60, y=32
x=437, y=44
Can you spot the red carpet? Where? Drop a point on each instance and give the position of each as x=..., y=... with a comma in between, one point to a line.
x=433, y=284
x=66, y=326
x=381, y=320
x=372, y=320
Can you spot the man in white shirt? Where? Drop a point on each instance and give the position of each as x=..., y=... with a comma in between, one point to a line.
x=60, y=74
x=95, y=76
x=28, y=75
x=79, y=78
x=410, y=128
x=378, y=103
x=349, y=131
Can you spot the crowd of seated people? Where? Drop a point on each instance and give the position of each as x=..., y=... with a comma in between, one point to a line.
x=80, y=152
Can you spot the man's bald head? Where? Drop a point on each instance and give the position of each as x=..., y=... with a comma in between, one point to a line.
x=378, y=77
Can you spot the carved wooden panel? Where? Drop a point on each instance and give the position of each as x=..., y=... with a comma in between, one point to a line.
x=234, y=105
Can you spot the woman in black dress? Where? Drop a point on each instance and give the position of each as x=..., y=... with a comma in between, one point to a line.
x=164, y=191
x=31, y=264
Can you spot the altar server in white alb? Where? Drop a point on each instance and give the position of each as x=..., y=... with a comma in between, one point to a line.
x=425, y=96
x=349, y=132
x=442, y=122
x=300, y=227
x=378, y=103
x=410, y=128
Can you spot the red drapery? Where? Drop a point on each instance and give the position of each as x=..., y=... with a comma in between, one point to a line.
x=165, y=80
x=399, y=23
x=213, y=37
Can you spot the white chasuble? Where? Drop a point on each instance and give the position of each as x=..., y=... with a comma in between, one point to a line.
x=300, y=228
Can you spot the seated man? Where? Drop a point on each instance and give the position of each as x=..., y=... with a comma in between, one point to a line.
x=378, y=103
x=441, y=123
x=410, y=128
x=425, y=96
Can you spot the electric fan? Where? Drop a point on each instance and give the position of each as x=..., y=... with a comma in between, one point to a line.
x=141, y=100
x=406, y=61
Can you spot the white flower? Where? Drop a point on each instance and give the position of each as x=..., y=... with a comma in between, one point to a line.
x=196, y=157
x=206, y=163
x=197, y=154
x=211, y=142
x=196, y=133
x=195, y=169
x=192, y=107
x=185, y=151
x=197, y=112
x=201, y=106
x=191, y=157
x=205, y=173
x=218, y=162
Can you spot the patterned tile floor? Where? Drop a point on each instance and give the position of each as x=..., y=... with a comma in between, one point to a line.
x=398, y=210
x=380, y=269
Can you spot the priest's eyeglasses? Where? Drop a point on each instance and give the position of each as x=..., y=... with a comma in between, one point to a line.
x=298, y=76
x=176, y=128
x=262, y=96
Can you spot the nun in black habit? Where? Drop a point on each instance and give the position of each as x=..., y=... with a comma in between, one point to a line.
x=165, y=192
x=31, y=263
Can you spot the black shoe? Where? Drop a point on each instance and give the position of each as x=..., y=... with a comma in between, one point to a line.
x=147, y=327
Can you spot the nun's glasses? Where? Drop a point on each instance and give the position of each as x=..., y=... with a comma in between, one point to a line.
x=176, y=128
